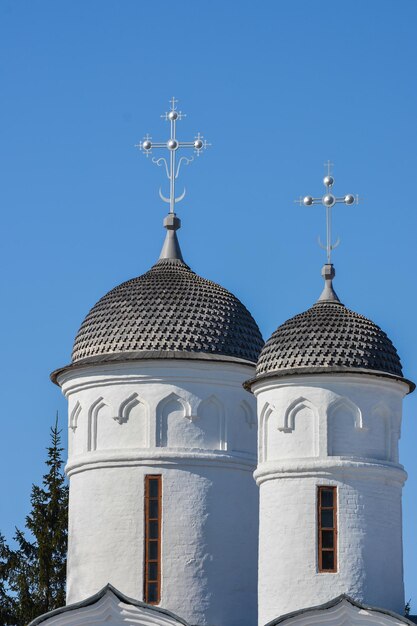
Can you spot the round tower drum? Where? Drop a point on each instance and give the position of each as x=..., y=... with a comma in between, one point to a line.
x=162, y=447
x=329, y=389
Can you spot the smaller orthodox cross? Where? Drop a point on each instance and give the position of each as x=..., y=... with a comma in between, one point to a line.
x=173, y=145
x=329, y=200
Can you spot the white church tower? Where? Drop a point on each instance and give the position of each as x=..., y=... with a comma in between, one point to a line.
x=329, y=388
x=162, y=439
x=163, y=507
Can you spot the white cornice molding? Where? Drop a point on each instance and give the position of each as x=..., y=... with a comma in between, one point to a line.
x=154, y=371
x=331, y=467
x=223, y=377
x=160, y=458
x=328, y=380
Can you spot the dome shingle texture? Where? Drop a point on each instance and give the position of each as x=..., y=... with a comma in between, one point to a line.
x=328, y=335
x=169, y=308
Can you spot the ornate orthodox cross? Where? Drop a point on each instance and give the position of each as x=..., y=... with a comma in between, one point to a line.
x=173, y=145
x=328, y=200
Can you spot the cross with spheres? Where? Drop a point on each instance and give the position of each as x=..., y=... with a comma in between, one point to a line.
x=328, y=200
x=173, y=145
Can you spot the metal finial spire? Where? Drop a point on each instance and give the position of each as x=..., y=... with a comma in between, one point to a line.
x=173, y=145
x=328, y=294
x=171, y=248
x=329, y=200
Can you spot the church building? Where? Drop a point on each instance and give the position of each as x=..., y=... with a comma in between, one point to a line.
x=217, y=480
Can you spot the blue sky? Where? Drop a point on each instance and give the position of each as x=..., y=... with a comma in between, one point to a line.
x=277, y=88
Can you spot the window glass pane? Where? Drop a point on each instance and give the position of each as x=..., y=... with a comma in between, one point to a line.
x=152, y=571
x=152, y=550
x=326, y=497
x=153, y=488
x=327, y=538
x=153, y=509
x=152, y=589
x=327, y=527
x=152, y=565
x=326, y=519
x=327, y=560
x=153, y=530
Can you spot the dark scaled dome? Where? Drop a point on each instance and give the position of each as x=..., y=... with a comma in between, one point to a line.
x=328, y=335
x=326, y=338
x=170, y=310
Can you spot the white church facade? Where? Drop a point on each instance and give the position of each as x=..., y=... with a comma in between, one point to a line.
x=217, y=480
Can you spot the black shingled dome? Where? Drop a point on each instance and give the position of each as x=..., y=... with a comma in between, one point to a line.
x=168, y=309
x=328, y=336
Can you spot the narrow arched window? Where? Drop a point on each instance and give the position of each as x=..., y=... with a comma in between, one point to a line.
x=153, y=523
x=327, y=528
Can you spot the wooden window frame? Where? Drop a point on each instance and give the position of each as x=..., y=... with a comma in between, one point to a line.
x=148, y=539
x=333, y=529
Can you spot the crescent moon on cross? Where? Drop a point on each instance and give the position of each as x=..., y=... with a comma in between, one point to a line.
x=337, y=242
x=163, y=197
x=332, y=247
x=181, y=197
x=321, y=244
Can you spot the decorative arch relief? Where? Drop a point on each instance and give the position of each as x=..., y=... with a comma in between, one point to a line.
x=190, y=423
x=126, y=407
x=351, y=409
x=381, y=410
x=383, y=414
x=243, y=429
x=93, y=412
x=263, y=431
x=385, y=428
x=126, y=428
x=169, y=408
x=250, y=418
x=348, y=435
x=299, y=419
x=74, y=415
x=287, y=425
x=212, y=424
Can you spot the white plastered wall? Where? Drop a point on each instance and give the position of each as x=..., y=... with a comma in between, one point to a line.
x=329, y=430
x=193, y=423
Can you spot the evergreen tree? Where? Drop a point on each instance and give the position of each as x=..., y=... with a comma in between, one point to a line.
x=32, y=575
